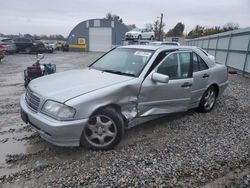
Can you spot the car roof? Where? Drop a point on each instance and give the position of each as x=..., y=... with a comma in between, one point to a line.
x=156, y=47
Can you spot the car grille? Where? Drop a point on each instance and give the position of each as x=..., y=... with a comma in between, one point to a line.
x=32, y=100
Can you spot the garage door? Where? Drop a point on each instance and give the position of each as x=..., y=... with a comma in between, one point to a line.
x=100, y=39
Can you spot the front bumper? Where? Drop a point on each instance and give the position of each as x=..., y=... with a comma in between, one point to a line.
x=131, y=37
x=60, y=133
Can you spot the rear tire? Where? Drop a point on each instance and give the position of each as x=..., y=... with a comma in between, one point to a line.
x=139, y=37
x=104, y=130
x=152, y=38
x=208, y=100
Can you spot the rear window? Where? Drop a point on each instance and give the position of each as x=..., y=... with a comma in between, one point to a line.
x=203, y=51
x=169, y=43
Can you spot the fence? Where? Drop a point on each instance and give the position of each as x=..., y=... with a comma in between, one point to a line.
x=230, y=48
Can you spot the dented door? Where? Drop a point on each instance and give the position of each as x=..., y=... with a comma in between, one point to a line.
x=174, y=96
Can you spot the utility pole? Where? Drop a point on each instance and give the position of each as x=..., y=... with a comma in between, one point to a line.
x=160, y=34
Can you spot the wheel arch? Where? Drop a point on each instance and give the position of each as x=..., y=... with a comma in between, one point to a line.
x=216, y=86
x=117, y=108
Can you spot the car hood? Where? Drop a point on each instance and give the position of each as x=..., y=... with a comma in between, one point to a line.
x=70, y=84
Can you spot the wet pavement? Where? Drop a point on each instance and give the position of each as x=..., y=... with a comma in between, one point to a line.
x=18, y=140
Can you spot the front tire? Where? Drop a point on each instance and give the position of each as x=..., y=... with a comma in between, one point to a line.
x=208, y=100
x=104, y=130
x=139, y=37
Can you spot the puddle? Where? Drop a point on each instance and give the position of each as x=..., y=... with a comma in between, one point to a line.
x=15, y=145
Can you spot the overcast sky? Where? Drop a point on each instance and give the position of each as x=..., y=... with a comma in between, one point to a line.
x=60, y=16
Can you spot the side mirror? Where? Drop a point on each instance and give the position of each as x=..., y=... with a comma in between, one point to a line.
x=157, y=77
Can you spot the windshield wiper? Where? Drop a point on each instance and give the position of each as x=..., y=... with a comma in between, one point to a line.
x=119, y=72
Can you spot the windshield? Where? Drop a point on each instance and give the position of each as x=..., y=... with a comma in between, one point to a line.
x=124, y=61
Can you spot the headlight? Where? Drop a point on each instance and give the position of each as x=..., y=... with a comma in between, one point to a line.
x=58, y=110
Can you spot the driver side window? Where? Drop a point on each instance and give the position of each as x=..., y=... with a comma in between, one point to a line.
x=176, y=66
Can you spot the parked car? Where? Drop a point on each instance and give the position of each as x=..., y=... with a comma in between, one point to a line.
x=125, y=87
x=52, y=44
x=139, y=34
x=8, y=44
x=48, y=47
x=164, y=43
x=2, y=52
x=59, y=45
x=29, y=45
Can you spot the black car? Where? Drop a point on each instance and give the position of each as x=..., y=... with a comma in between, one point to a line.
x=29, y=45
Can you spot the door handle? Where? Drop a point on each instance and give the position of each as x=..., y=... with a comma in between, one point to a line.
x=186, y=84
x=205, y=75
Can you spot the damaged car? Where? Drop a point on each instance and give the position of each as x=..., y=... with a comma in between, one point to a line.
x=125, y=87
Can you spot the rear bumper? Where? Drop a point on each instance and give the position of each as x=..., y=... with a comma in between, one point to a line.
x=60, y=133
x=222, y=87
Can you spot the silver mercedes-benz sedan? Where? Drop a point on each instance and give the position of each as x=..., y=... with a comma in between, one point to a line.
x=125, y=87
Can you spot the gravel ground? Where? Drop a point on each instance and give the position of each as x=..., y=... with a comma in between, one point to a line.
x=181, y=150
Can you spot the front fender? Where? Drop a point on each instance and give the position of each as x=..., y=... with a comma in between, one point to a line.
x=124, y=94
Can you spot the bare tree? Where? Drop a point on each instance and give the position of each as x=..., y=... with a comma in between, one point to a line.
x=113, y=17
x=149, y=26
x=158, y=29
x=131, y=26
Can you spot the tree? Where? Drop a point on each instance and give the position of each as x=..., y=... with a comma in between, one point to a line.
x=177, y=31
x=200, y=31
x=196, y=32
x=212, y=31
x=158, y=32
x=131, y=26
x=28, y=35
x=149, y=26
x=113, y=17
x=230, y=26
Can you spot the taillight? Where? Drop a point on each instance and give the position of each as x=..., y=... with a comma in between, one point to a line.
x=2, y=49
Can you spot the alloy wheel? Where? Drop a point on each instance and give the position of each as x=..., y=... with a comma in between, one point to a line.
x=100, y=131
x=209, y=99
